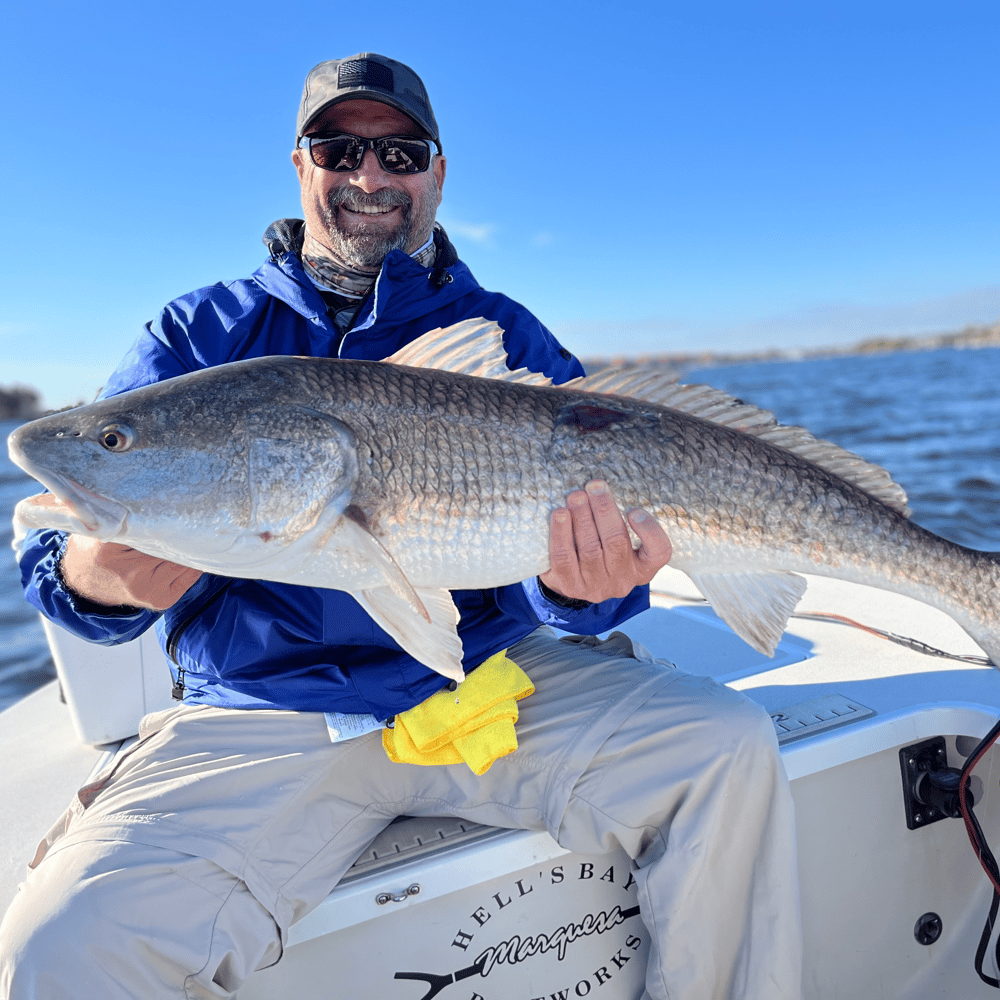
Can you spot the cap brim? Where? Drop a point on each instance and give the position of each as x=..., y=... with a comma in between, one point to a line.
x=362, y=94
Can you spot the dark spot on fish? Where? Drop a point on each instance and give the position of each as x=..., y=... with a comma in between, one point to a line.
x=589, y=417
x=265, y=536
x=566, y=354
x=357, y=515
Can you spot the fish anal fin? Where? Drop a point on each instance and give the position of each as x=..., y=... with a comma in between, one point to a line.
x=755, y=605
x=432, y=641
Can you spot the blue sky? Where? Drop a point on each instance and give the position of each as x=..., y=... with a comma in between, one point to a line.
x=648, y=176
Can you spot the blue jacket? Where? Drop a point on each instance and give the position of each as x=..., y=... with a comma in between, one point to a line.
x=254, y=644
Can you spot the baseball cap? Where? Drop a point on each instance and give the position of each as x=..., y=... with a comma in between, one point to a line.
x=371, y=76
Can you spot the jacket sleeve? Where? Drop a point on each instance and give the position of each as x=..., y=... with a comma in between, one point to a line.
x=39, y=556
x=526, y=599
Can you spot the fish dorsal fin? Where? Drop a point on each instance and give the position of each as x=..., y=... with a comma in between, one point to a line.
x=653, y=385
x=470, y=347
x=475, y=347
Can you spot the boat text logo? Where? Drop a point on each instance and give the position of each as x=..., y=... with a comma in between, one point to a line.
x=515, y=949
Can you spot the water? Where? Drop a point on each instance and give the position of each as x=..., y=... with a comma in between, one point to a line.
x=932, y=418
x=24, y=656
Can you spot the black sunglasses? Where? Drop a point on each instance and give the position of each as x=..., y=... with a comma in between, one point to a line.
x=398, y=154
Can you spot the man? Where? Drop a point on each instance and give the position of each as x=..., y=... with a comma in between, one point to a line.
x=180, y=870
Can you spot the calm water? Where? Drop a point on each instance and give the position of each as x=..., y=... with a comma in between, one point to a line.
x=931, y=418
x=24, y=657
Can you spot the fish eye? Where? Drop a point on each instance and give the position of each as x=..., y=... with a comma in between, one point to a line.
x=116, y=437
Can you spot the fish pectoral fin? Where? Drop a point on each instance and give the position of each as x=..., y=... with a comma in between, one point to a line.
x=755, y=605
x=433, y=641
x=372, y=551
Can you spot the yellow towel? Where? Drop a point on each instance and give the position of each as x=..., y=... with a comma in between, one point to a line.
x=474, y=724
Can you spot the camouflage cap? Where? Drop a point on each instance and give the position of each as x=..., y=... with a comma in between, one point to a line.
x=369, y=76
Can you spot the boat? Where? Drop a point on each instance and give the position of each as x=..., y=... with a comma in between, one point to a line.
x=872, y=729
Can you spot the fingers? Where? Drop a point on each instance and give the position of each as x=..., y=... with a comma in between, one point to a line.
x=602, y=538
x=112, y=574
x=591, y=554
x=656, y=550
x=563, y=576
x=167, y=583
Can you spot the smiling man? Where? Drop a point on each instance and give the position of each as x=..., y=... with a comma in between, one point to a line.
x=178, y=871
x=358, y=218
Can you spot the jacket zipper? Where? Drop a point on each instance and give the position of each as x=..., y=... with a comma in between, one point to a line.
x=174, y=637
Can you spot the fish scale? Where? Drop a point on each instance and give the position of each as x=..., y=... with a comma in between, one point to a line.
x=398, y=483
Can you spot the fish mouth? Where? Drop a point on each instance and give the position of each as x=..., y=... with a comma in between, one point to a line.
x=79, y=510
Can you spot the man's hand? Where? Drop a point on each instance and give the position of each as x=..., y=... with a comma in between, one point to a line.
x=114, y=575
x=590, y=552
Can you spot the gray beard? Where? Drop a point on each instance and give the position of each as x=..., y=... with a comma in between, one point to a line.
x=367, y=249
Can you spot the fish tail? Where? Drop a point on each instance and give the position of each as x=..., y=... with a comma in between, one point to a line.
x=984, y=625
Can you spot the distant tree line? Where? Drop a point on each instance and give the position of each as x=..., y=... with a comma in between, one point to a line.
x=18, y=402
x=678, y=364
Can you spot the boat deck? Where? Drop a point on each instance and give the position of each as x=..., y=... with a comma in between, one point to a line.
x=843, y=702
x=908, y=693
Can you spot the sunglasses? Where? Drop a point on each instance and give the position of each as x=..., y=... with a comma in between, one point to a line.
x=398, y=154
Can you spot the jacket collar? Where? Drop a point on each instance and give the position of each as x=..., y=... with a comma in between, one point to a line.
x=427, y=289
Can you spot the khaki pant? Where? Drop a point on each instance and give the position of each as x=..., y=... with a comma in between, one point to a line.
x=180, y=873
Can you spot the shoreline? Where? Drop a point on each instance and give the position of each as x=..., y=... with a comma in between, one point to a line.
x=970, y=338
x=21, y=402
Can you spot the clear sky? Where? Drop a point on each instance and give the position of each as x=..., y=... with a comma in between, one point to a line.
x=645, y=176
